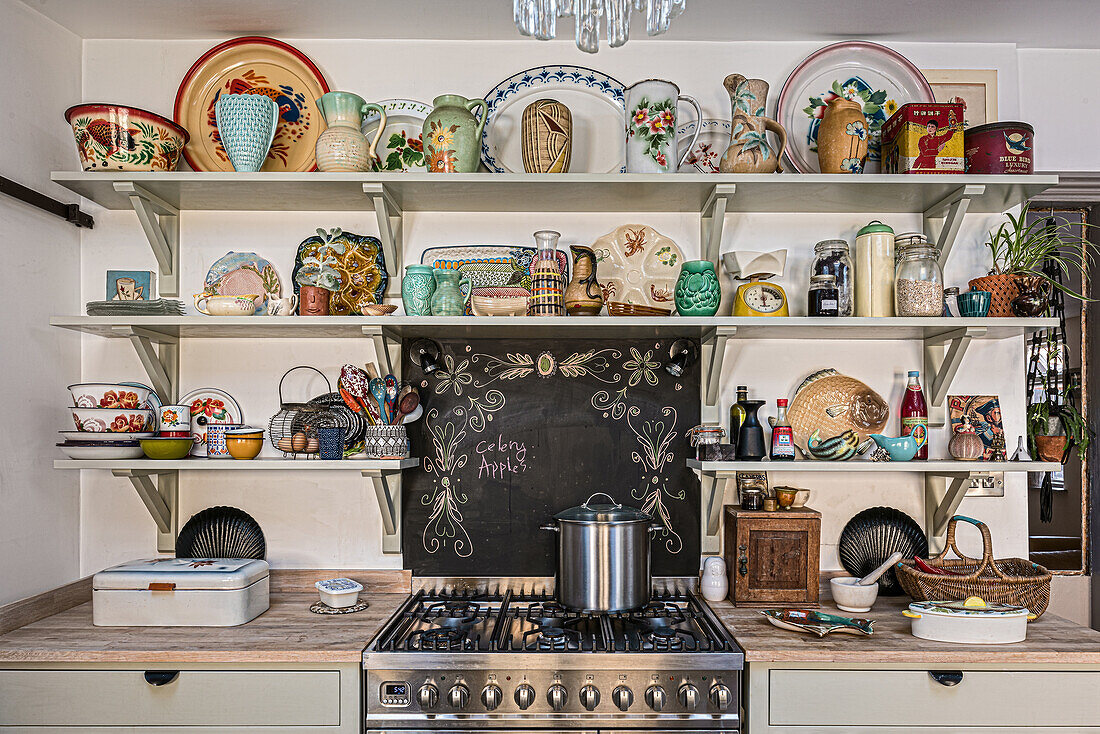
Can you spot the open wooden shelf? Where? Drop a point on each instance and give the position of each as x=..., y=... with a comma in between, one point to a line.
x=941, y=468
x=203, y=464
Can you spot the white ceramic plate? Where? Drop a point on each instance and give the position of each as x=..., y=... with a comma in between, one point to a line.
x=101, y=452
x=209, y=405
x=85, y=437
x=714, y=138
x=882, y=78
x=594, y=99
x=405, y=119
x=637, y=264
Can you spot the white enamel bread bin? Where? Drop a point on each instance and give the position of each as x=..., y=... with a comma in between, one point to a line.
x=169, y=592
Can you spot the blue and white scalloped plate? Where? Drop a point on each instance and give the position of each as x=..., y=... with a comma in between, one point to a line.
x=594, y=99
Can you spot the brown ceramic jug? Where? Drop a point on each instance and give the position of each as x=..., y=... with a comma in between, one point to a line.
x=842, y=137
x=749, y=151
x=583, y=296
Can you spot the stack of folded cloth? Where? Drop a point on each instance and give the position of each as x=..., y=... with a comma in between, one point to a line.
x=157, y=307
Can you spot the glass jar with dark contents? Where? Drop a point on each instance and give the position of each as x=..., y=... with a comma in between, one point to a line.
x=823, y=296
x=831, y=257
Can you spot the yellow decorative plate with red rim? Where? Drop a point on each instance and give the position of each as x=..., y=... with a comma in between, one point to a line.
x=253, y=65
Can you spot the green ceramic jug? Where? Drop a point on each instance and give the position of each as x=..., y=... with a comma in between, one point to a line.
x=448, y=299
x=452, y=134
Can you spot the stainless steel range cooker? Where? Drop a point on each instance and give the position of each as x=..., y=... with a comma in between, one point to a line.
x=506, y=659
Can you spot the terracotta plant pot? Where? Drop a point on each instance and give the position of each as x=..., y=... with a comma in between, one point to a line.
x=1005, y=289
x=842, y=137
x=313, y=300
x=1050, y=448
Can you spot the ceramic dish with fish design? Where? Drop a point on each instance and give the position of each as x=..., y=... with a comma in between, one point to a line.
x=242, y=274
x=210, y=406
x=253, y=65
x=710, y=146
x=879, y=78
x=594, y=99
x=401, y=147
x=636, y=264
x=361, y=267
x=818, y=623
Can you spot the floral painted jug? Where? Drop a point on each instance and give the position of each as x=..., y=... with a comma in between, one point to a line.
x=342, y=146
x=749, y=151
x=651, y=123
x=452, y=134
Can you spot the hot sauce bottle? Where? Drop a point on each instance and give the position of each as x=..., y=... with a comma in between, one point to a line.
x=782, y=435
x=914, y=415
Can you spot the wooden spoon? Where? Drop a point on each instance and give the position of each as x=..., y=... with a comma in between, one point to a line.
x=406, y=405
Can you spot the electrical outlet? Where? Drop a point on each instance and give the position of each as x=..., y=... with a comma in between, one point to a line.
x=987, y=485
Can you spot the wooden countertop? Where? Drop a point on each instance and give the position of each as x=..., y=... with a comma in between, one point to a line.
x=1050, y=639
x=287, y=632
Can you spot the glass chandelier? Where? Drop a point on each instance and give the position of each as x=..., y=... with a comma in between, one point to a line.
x=538, y=18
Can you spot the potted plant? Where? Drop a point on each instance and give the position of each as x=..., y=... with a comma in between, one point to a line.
x=1022, y=258
x=1055, y=424
x=317, y=278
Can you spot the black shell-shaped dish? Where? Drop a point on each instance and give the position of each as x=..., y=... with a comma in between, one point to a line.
x=221, y=532
x=872, y=536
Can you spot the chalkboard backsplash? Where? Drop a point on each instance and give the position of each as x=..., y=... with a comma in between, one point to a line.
x=514, y=432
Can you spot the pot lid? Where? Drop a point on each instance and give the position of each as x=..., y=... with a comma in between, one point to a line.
x=973, y=606
x=591, y=512
x=875, y=226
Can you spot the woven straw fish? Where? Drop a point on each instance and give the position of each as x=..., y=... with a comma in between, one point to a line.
x=830, y=403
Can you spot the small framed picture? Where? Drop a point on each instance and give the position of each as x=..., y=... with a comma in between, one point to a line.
x=984, y=412
x=130, y=285
x=976, y=89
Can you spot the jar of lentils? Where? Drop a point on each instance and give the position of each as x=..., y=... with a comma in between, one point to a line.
x=831, y=258
x=918, y=282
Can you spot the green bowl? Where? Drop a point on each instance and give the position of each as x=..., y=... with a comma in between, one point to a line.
x=167, y=449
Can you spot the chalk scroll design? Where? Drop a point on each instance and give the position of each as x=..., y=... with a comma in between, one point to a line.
x=655, y=441
x=516, y=365
x=444, y=526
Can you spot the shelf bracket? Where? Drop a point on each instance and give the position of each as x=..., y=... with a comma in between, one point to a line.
x=388, y=214
x=712, y=220
x=159, y=355
x=942, y=219
x=387, y=348
x=712, y=358
x=161, y=223
x=161, y=499
x=713, y=499
x=943, y=493
x=387, y=488
x=943, y=354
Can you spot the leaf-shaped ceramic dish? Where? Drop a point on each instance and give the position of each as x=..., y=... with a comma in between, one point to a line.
x=817, y=623
x=636, y=264
x=361, y=268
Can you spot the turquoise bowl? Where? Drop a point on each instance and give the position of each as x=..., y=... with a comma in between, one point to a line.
x=974, y=304
x=902, y=448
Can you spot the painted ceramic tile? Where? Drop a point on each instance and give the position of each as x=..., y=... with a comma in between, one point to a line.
x=984, y=412
x=130, y=285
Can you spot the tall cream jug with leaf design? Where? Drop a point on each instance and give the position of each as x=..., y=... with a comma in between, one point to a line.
x=749, y=150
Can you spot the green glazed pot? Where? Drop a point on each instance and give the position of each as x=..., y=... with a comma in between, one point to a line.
x=447, y=299
x=452, y=134
x=698, y=291
x=417, y=288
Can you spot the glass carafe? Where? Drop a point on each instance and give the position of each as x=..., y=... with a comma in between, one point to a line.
x=547, y=283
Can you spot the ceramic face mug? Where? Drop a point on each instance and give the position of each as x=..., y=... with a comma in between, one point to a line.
x=651, y=123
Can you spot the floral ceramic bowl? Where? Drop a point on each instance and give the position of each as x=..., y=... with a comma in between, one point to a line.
x=113, y=420
x=113, y=137
x=107, y=395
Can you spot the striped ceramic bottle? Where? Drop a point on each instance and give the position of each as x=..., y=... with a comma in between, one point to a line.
x=547, y=283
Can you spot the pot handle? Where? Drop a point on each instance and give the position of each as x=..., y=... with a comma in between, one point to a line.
x=549, y=526
x=605, y=494
x=655, y=527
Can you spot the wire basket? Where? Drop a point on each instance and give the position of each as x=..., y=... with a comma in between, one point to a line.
x=293, y=430
x=1006, y=581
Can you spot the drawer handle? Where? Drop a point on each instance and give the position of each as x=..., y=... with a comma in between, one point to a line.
x=947, y=678
x=161, y=677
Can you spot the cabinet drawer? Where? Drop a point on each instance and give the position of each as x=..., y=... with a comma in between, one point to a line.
x=983, y=698
x=85, y=698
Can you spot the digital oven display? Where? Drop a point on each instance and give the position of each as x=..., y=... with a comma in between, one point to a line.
x=395, y=693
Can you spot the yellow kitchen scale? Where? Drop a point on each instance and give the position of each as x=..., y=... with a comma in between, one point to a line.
x=758, y=297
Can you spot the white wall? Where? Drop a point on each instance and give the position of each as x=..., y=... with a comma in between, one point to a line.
x=39, y=508
x=322, y=520
x=1058, y=95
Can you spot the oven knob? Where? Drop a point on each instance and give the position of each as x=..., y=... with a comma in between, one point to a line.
x=491, y=696
x=655, y=697
x=459, y=696
x=525, y=696
x=556, y=696
x=590, y=696
x=689, y=696
x=720, y=695
x=622, y=697
x=428, y=696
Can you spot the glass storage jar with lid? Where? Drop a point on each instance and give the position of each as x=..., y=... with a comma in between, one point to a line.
x=822, y=298
x=918, y=282
x=831, y=257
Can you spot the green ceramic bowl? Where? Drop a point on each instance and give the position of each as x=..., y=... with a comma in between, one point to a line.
x=167, y=449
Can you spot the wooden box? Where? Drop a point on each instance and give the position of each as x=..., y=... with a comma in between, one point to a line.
x=773, y=557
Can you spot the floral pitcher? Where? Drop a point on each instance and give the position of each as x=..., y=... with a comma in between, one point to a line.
x=749, y=151
x=651, y=124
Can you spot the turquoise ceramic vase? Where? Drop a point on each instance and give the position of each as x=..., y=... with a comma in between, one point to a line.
x=447, y=299
x=697, y=289
x=417, y=288
x=452, y=134
x=246, y=127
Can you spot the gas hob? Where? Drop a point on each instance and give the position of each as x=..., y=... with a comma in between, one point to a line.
x=518, y=660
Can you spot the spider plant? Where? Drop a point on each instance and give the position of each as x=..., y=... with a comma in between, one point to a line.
x=1057, y=416
x=1023, y=249
x=317, y=269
